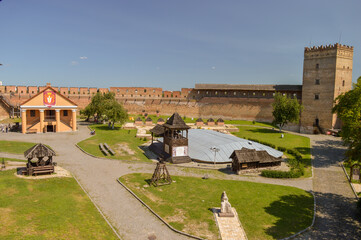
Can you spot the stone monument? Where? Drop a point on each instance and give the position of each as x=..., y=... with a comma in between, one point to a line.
x=226, y=208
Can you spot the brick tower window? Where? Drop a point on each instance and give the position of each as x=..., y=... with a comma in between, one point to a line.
x=317, y=81
x=317, y=66
x=343, y=83
x=317, y=96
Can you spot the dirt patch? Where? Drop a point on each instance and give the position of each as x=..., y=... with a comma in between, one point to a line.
x=123, y=149
x=6, y=220
x=179, y=216
x=199, y=229
x=11, y=192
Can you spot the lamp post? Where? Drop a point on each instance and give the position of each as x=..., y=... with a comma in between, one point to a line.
x=215, y=150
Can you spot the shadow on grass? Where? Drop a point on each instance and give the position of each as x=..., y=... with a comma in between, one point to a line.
x=303, y=150
x=105, y=128
x=336, y=217
x=227, y=170
x=292, y=212
x=262, y=130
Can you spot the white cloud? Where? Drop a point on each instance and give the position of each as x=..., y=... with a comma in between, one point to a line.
x=213, y=68
x=73, y=63
x=83, y=58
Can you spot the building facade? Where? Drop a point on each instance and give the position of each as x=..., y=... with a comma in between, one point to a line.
x=48, y=111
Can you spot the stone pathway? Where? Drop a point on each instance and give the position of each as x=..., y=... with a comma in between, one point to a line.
x=336, y=205
x=230, y=228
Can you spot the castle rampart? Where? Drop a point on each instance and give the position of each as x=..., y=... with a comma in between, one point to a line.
x=327, y=73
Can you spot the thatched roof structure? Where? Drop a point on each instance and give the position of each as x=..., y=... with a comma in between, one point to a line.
x=175, y=122
x=160, y=120
x=157, y=130
x=220, y=120
x=199, y=120
x=210, y=120
x=246, y=155
x=148, y=119
x=39, y=151
x=138, y=119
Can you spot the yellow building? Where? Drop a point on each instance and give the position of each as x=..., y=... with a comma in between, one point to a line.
x=48, y=111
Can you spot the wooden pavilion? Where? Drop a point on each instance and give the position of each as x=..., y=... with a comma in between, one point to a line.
x=250, y=159
x=175, y=139
x=43, y=162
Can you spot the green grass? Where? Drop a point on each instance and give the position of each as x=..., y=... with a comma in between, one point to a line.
x=11, y=120
x=290, y=141
x=15, y=147
x=54, y=208
x=265, y=211
x=244, y=122
x=190, y=120
x=12, y=160
x=122, y=141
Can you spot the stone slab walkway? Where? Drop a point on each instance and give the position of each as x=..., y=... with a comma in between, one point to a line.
x=230, y=228
x=336, y=204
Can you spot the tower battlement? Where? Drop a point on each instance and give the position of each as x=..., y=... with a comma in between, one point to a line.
x=328, y=47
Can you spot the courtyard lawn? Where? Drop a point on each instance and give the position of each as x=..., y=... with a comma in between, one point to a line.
x=54, y=208
x=10, y=120
x=190, y=120
x=12, y=160
x=244, y=122
x=265, y=211
x=15, y=147
x=122, y=141
x=290, y=141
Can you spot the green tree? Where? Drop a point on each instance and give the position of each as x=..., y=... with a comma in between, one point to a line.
x=348, y=109
x=285, y=110
x=104, y=105
x=114, y=111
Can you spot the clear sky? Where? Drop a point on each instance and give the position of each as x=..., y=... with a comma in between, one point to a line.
x=168, y=43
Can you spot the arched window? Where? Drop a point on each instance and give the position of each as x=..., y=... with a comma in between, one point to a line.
x=317, y=66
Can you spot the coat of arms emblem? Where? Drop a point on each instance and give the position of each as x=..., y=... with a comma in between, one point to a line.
x=49, y=98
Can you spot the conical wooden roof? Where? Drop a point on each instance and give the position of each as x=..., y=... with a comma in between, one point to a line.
x=176, y=122
x=39, y=150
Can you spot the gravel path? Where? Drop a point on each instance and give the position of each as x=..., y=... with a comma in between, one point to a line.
x=133, y=221
x=336, y=209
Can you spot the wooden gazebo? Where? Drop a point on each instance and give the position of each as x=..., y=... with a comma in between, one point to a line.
x=40, y=160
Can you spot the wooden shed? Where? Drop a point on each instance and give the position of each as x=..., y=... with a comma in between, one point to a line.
x=250, y=159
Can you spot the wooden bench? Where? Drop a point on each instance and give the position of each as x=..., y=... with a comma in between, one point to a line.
x=40, y=170
x=101, y=146
x=109, y=149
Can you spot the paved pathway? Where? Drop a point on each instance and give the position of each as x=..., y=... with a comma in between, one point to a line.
x=336, y=209
x=133, y=221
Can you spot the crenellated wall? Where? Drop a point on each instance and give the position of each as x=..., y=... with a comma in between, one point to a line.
x=327, y=73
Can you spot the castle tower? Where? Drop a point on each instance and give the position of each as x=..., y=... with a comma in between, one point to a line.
x=327, y=73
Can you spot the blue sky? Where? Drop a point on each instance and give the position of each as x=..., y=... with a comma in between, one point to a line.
x=169, y=44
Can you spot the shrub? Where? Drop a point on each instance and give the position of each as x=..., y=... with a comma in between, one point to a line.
x=144, y=139
x=281, y=174
x=253, y=122
x=282, y=149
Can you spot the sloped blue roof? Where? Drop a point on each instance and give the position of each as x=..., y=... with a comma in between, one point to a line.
x=200, y=141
